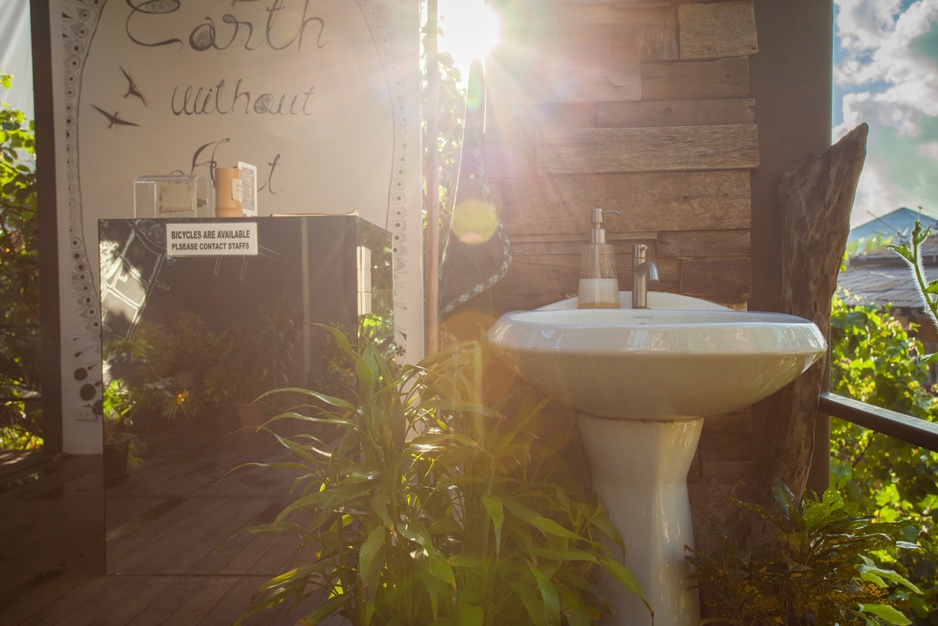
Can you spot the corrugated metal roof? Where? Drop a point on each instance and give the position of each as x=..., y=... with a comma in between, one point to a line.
x=897, y=225
x=878, y=286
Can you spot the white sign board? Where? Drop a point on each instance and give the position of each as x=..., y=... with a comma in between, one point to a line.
x=321, y=95
x=211, y=239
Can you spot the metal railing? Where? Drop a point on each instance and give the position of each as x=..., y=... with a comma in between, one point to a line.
x=912, y=430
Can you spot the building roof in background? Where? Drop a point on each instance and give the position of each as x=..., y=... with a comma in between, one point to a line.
x=882, y=277
x=879, y=286
x=897, y=225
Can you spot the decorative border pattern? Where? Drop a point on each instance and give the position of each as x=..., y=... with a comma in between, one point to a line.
x=82, y=341
x=389, y=31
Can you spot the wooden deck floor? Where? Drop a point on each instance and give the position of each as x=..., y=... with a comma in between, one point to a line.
x=163, y=536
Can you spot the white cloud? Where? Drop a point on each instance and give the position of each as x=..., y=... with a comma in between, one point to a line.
x=928, y=150
x=864, y=24
x=876, y=195
x=892, y=84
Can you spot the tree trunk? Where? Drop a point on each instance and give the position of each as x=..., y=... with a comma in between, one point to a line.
x=816, y=198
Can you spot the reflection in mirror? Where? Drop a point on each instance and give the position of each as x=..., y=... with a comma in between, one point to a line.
x=189, y=343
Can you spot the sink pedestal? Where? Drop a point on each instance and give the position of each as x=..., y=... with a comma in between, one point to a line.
x=640, y=471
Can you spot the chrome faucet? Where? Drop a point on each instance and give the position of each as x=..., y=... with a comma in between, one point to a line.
x=644, y=273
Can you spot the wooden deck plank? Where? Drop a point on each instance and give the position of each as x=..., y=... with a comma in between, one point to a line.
x=133, y=609
x=99, y=597
x=165, y=607
x=33, y=606
x=138, y=545
x=153, y=545
x=205, y=551
x=166, y=519
x=203, y=605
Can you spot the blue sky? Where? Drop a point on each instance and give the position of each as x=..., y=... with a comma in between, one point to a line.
x=886, y=74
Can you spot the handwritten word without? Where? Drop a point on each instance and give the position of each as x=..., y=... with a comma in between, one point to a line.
x=222, y=100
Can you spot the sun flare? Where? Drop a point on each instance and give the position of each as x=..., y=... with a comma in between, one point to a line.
x=468, y=30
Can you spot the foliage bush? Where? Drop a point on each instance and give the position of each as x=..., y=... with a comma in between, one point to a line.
x=876, y=360
x=19, y=280
x=819, y=571
x=426, y=506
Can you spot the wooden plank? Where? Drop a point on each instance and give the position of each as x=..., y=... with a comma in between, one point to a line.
x=559, y=274
x=204, y=604
x=605, y=32
x=584, y=42
x=704, y=243
x=233, y=554
x=573, y=246
x=510, y=152
x=652, y=38
x=718, y=29
x=677, y=148
x=537, y=74
x=65, y=606
x=70, y=487
x=152, y=547
x=653, y=201
x=727, y=277
x=194, y=553
x=539, y=115
x=675, y=113
x=594, y=12
x=134, y=607
x=162, y=609
x=571, y=80
x=30, y=604
x=696, y=80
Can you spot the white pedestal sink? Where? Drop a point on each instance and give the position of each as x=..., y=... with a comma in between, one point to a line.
x=642, y=381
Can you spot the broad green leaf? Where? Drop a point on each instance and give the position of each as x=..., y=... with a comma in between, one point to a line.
x=566, y=555
x=532, y=604
x=370, y=563
x=548, y=593
x=493, y=505
x=465, y=560
x=538, y=521
x=471, y=615
x=441, y=569
x=886, y=612
x=622, y=574
x=371, y=558
x=869, y=571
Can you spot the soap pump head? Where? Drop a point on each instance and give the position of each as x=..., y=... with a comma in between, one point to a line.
x=598, y=233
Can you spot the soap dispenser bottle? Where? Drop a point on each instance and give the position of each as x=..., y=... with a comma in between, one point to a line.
x=599, y=285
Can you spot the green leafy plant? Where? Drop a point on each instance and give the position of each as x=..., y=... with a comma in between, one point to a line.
x=427, y=506
x=247, y=359
x=20, y=426
x=820, y=571
x=162, y=369
x=875, y=359
x=338, y=374
x=119, y=404
x=911, y=252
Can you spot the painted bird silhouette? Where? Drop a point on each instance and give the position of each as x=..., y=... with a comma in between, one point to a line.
x=113, y=118
x=132, y=88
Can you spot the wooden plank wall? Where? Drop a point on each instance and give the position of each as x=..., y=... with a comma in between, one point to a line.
x=639, y=107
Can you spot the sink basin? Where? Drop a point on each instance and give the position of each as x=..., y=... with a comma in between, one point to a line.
x=642, y=380
x=693, y=359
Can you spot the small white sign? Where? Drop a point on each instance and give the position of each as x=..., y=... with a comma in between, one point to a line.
x=212, y=239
